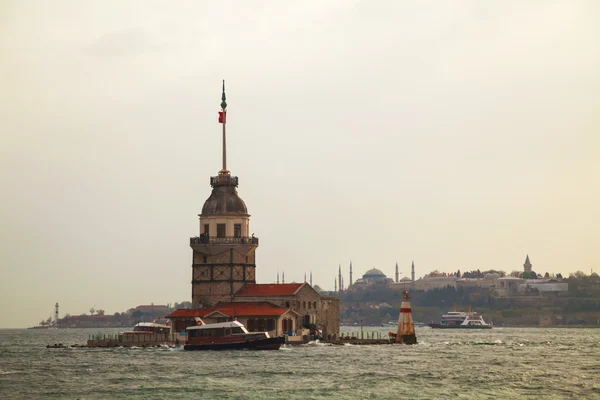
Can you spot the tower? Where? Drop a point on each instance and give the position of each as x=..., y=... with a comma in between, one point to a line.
x=412, y=274
x=340, y=278
x=223, y=257
x=305, y=277
x=310, y=278
x=397, y=272
x=350, y=273
x=56, y=314
x=527, y=266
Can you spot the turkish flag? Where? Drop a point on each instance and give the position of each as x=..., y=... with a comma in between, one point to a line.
x=222, y=117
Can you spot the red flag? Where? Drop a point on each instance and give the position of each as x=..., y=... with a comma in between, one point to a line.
x=222, y=117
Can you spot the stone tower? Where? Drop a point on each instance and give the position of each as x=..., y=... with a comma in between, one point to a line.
x=224, y=254
x=527, y=266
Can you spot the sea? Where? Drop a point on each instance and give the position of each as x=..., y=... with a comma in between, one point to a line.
x=502, y=363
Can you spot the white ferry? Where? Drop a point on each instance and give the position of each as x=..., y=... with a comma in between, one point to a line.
x=231, y=335
x=461, y=320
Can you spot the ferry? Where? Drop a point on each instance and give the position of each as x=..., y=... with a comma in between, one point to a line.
x=143, y=334
x=461, y=320
x=231, y=335
x=149, y=328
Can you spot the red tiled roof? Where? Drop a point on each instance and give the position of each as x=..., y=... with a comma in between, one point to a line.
x=191, y=312
x=250, y=309
x=232, y=310
x=269, y=289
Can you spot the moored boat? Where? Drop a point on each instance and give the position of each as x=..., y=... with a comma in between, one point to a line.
x=461, y=320
x=231, y=335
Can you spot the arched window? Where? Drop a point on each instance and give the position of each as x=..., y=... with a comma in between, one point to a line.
x=315, y=305
x=303, y=304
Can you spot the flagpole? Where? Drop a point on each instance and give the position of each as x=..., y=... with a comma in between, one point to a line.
x=223, y=108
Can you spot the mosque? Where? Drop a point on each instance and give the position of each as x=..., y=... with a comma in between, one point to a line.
x=224, y=270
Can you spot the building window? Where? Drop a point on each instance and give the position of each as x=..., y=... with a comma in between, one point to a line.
x=206, y=231
x=237, y=230
x=303, y=304
x=315, y=305
x=205, y=259
x=309, y=305
x=221, y=230
x=270, y=325
x=286, y=325
x=287, y=304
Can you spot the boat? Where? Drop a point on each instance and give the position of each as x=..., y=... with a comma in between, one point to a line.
x=143, y=334
x=231, y=335
x=149, y=328
x=461, y=320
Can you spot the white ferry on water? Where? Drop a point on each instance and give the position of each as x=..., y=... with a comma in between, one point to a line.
x=461, y=320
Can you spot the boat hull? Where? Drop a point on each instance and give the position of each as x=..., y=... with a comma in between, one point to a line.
x=440, y=326
x=258, y=344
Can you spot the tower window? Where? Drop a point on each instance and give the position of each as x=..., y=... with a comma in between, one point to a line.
x=237, y=230
x=206, y=231
x=221, y=230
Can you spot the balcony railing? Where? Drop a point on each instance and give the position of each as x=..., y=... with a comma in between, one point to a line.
x=205, y=239
x=223, y=180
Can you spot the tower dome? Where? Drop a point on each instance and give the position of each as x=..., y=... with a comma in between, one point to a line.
x=224, y=199
x=374, y=273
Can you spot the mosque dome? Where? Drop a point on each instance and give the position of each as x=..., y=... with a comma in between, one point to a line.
x=493, y=275
x=373, y=273
x=224, y=199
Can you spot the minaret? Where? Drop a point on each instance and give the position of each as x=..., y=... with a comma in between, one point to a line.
x=224, y=253
x=340, y=278
x=335, y=285
x=56, y=314
x=310, y=278
x=396, y=271
x=527, y=266
x=412, y=274
x=343, y=284
x=278, y=277
x=350, y=273
x=283, y=277
x=305, y=277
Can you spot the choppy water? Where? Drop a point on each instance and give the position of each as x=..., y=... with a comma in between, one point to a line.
x=502, y=363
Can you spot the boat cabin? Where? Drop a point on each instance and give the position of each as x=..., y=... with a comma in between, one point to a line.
x=217, y=330
x=150, y=327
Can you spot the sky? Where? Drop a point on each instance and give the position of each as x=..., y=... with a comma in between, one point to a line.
x=461, y=135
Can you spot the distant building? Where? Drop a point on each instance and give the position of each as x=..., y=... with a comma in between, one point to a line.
x=151, y=308
x=435, y=282
x=372, y=277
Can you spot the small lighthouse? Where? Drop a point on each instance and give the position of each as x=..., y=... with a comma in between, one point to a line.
x=406, y=327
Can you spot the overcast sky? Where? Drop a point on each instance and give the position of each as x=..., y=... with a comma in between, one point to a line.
x=458, y=134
